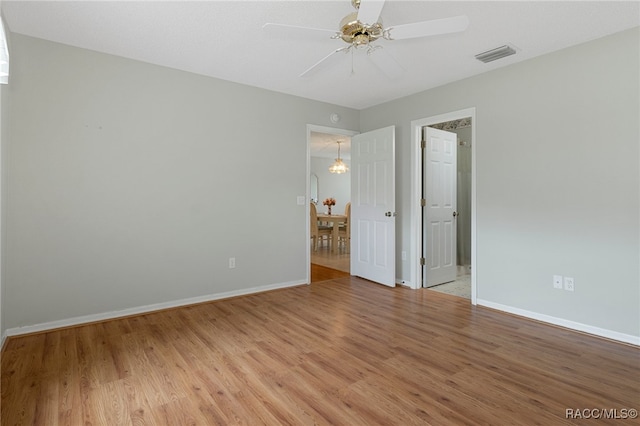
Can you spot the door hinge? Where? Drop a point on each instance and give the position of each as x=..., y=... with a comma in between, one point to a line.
x=423, y=202
x=422, y=261
x=423, y=144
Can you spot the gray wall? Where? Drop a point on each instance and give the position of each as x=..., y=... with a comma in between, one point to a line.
x=4, y=136
x=131, y=184
x=557, y=142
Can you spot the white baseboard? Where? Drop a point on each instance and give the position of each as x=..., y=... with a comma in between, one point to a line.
x=404, y=283
x=585, y=328
x=85, y=319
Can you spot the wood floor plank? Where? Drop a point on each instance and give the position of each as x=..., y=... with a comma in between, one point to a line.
x=323, y=273
x=340, y=351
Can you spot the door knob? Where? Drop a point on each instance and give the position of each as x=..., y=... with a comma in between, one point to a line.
x=455, y=214
x=389, y=214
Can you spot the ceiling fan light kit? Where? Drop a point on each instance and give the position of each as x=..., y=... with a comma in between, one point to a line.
x=364, y=26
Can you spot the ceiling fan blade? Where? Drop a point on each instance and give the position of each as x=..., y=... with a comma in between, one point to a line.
x=322, y=62
x=369, y=11
x=387, y=63
x=294, y=30
x=429, y=28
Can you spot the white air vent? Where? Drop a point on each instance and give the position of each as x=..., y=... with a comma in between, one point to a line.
x=497, y=53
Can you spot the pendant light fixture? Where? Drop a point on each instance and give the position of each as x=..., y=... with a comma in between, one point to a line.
x=338, y=167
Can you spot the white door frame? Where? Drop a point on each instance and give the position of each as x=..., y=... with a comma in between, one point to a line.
x=320, y=129
x=416, y=166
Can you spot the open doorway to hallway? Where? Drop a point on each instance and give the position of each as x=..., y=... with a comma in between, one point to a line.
x=326, y=259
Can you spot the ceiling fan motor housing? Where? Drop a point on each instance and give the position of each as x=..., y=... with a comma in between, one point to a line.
x=358, y=34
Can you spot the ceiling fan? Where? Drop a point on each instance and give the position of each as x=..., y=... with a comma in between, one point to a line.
x=361, y=28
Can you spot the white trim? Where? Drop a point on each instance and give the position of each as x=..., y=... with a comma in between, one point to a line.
x=405, y=283
x=416, y=136
x=572, y=325
x=4, y=53
x=319, y=129
x=85, y=319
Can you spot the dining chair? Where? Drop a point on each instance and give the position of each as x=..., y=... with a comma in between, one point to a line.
x=318, y=232
x=344, y=231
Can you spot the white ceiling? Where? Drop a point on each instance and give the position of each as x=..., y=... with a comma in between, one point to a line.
x=326, y=145
x=224, y=39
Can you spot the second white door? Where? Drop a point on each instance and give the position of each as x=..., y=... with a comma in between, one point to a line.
x=440, y=194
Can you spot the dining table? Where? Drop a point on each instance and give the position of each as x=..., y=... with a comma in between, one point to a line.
x=336, y=220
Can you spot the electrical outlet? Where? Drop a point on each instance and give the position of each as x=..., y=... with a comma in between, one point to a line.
x=232, y=262
x=557, y=281
x=568, y=283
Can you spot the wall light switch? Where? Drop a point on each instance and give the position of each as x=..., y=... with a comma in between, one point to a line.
x=301, y=200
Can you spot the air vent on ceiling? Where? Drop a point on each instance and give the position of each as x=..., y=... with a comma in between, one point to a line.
x=497, y=53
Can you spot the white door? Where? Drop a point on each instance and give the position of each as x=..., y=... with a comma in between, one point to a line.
x=439, y=221
x=373, y=230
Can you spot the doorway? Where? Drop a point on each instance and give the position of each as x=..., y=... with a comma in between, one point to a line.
x=463, y=123
x=449, y=270
x=322, y=151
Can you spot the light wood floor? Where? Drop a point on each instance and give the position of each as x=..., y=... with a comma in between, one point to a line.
x=344, y=351
x=325, y=257
x=322, y=273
